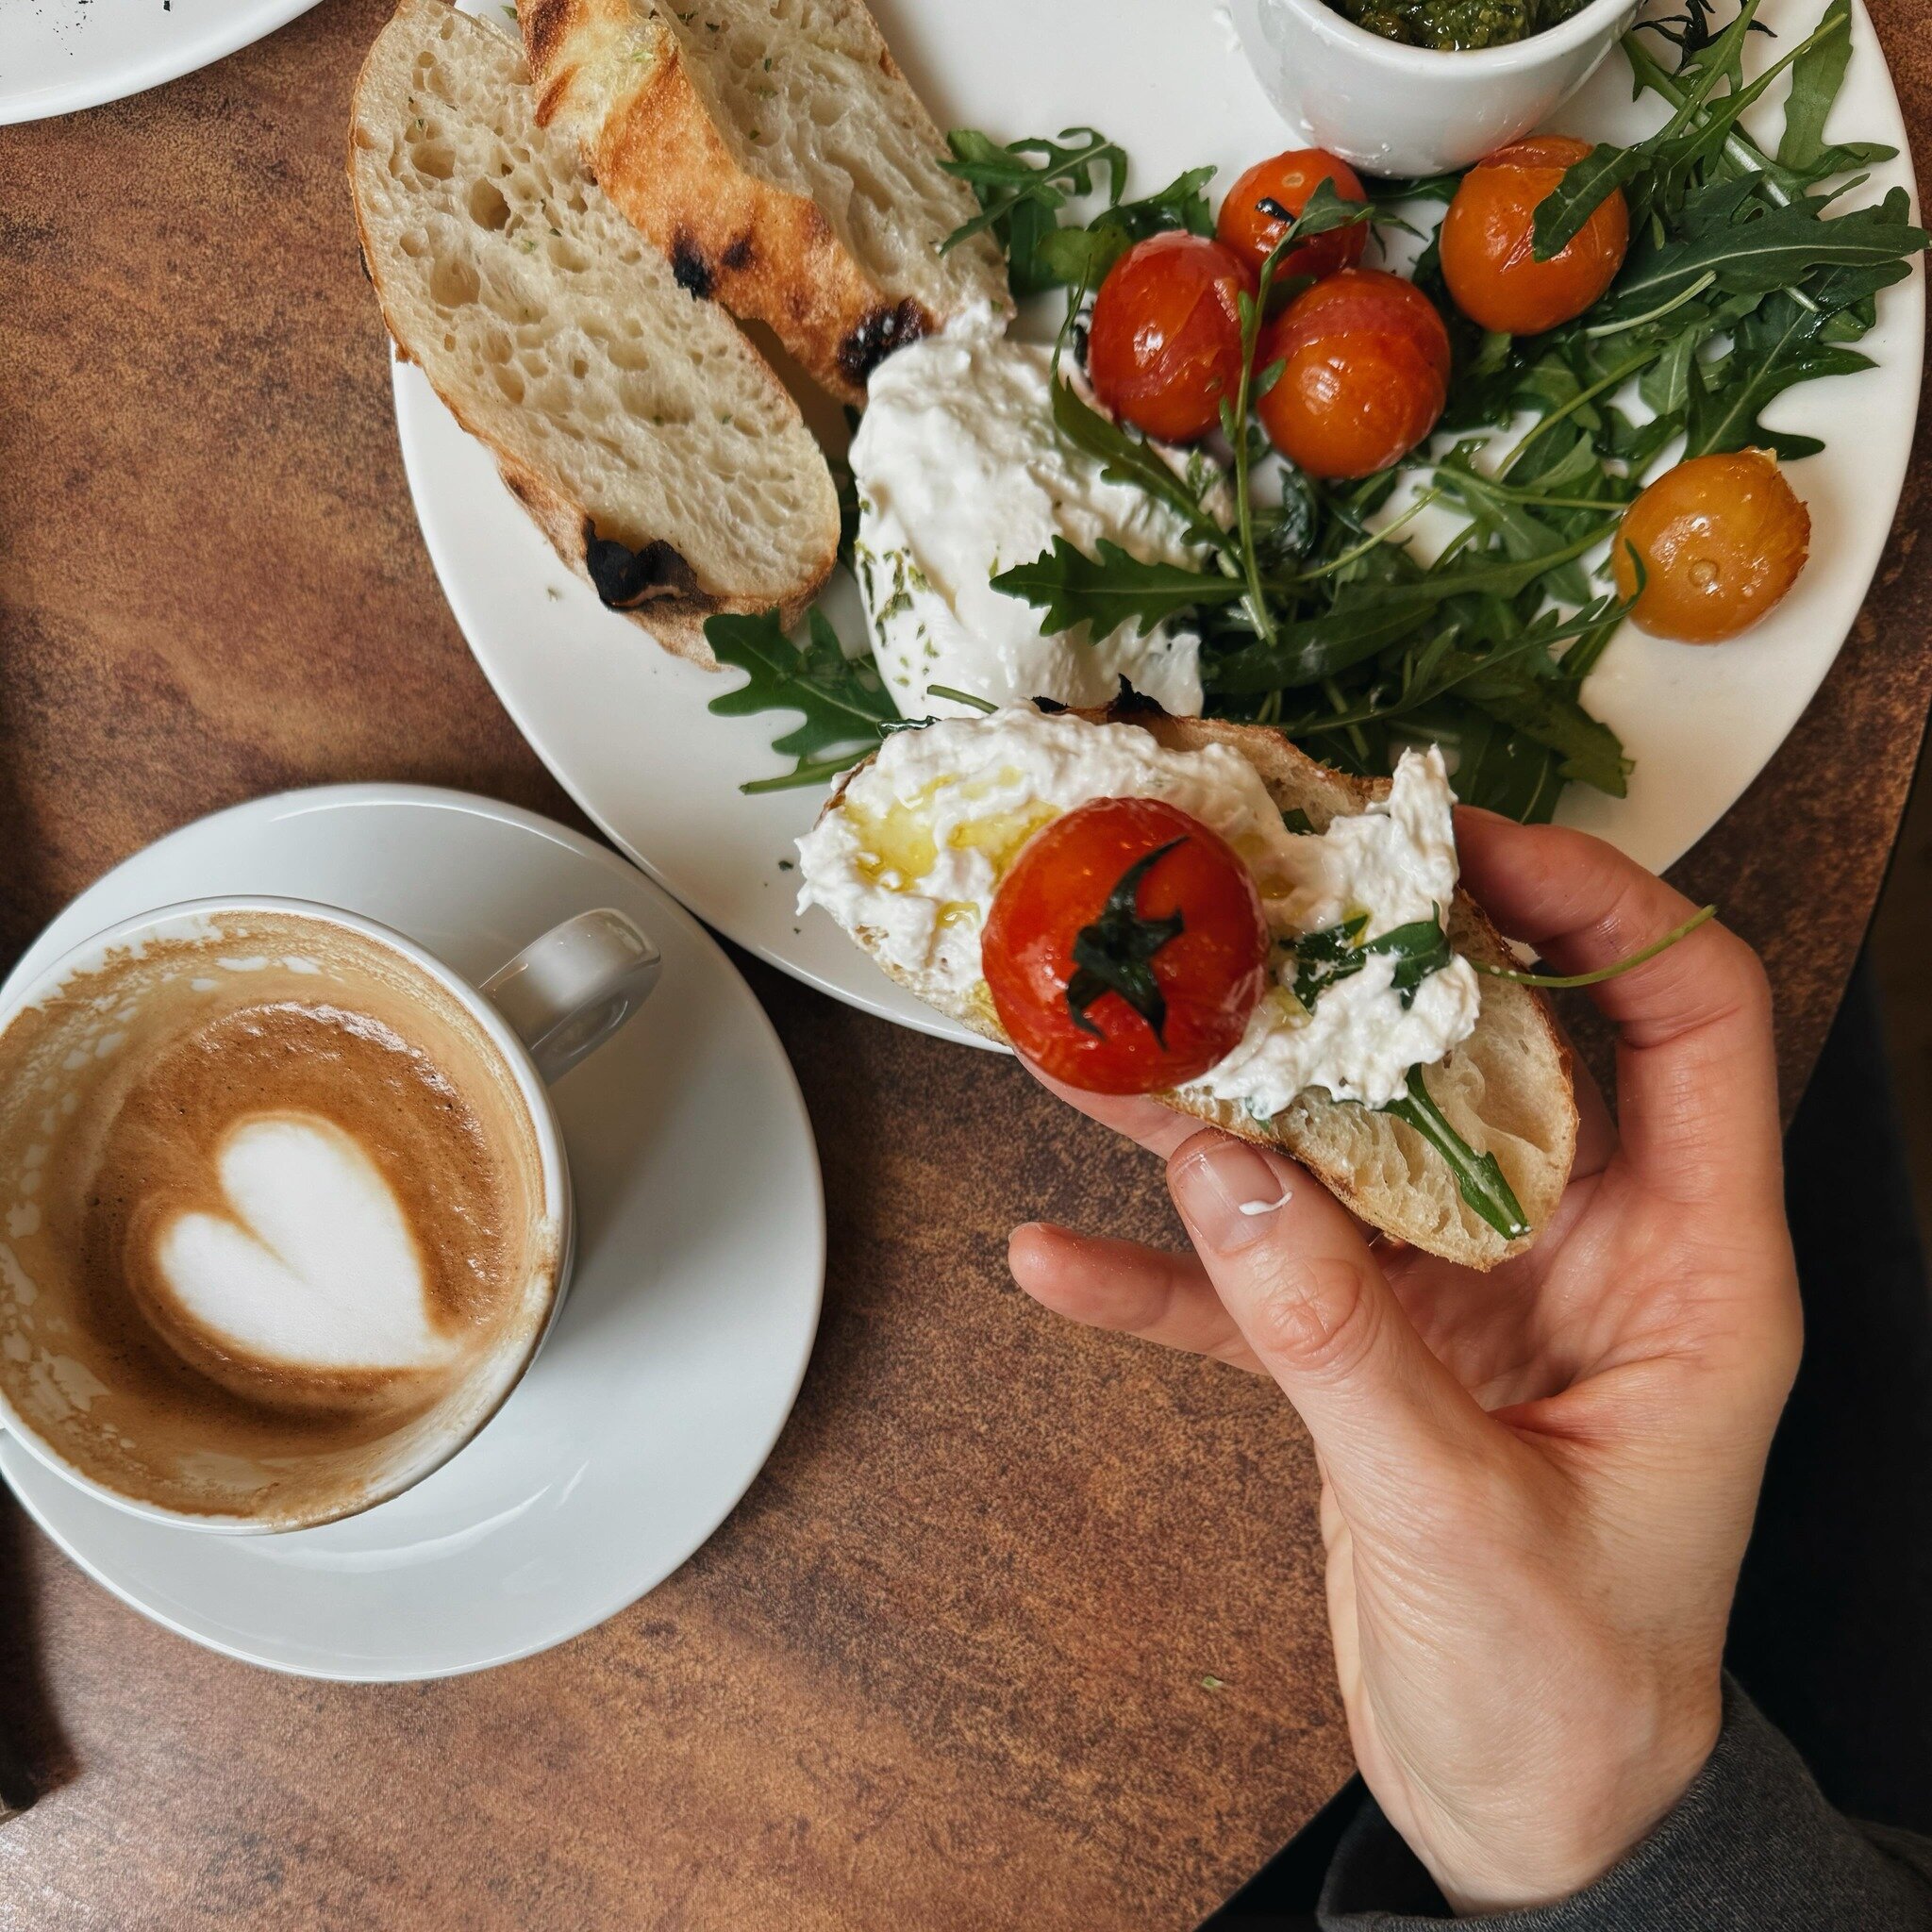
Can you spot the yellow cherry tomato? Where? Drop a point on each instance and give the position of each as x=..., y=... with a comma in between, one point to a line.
x=1722, y=537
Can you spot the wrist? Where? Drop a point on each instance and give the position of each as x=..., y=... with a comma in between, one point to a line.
x=1562, y=1840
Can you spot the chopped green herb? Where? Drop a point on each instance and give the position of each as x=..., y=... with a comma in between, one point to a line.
x=1338, y=952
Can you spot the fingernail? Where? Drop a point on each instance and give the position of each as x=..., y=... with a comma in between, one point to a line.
x=1229, y=1194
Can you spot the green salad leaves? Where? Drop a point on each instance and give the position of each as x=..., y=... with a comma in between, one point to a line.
x=1747, y=276
x=1751, y=268
x=843, y=702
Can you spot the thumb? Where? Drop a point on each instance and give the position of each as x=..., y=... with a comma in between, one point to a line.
x=1292, y=1270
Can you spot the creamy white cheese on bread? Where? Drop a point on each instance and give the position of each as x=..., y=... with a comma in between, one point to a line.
x=961, y=475
x=914, y=850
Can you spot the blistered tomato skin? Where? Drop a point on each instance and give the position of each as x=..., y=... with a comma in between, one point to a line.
x=1489, y=234
x=1165, y=342
x=1722, y=539
x=1289, y=180
x=1365, y=372
x=1211, y=975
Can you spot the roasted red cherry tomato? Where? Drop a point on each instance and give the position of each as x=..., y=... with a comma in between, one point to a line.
x=1722, y=537
x=1165, y=343
x=1365, y=372
x=1289, y=180
x=1487, y=236
x=1127, y=947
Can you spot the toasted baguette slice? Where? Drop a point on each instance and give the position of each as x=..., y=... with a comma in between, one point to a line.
x=650, y=440
x=1507, y=1089
x=777, y=156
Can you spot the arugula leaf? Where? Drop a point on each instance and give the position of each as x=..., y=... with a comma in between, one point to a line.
x=1589, y=750
x=1126, y=459
x=1107, y=591
x=1770, y=248
x=1385, y=191
x=1496, y=767
x=1817, y=74
x=1586, y=184
x=1479, y=1178
x=1366, y=616
x=1021, y=198
x=1080, y=257
x=842, y=701
x=1517, y=665
x=1773, y=349
x=1006, y=178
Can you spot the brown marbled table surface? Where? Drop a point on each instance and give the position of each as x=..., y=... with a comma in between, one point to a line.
x=944, y=1666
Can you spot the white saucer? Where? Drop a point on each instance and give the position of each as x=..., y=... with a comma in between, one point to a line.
x=676, y=1358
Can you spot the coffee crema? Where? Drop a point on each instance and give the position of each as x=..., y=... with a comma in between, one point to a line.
x=271, y=1219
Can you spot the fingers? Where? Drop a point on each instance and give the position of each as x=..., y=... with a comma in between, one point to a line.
x=1290, y=1267
x=1132, y=1289
x=1696, y=1071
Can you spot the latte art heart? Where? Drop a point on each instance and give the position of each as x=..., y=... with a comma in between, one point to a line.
x=313, y=1263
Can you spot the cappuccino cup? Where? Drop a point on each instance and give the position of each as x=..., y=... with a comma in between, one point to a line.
x=285, y=1212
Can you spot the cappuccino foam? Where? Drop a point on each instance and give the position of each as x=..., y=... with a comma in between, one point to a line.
x=271, y=1219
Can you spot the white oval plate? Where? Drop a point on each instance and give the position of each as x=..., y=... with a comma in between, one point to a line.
x=59, y=56
x=624, y=724
x=676, y=1359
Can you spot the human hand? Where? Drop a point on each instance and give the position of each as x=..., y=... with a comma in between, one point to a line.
x=1537, y=1483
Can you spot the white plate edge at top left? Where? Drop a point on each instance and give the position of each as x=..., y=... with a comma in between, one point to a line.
x=179, y=38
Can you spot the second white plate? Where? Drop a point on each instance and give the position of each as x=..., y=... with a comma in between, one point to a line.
x=59, y=56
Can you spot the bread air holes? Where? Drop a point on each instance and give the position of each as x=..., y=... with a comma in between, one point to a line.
x=434, y=158
x=452, y=282
x=488, y=208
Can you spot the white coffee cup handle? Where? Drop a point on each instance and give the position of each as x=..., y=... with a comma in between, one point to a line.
x=568, y=992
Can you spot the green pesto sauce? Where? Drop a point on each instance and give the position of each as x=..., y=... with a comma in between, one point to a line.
x=1454, y=26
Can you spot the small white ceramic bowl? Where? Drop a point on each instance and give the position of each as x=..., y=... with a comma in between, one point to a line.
x=1394, y=109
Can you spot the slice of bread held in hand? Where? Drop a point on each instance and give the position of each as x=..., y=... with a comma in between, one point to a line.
x=1506, y=1088
x=774, y=152
x=652, y=444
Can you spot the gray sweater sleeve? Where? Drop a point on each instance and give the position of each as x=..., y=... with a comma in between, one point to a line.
x=1752, y=1846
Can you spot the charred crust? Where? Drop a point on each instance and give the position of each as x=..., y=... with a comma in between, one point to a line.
x=688, y=264
x=1127, y=704
x=738, y=256
x=882, y=331
x=627, y=579
x=1050, y=707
